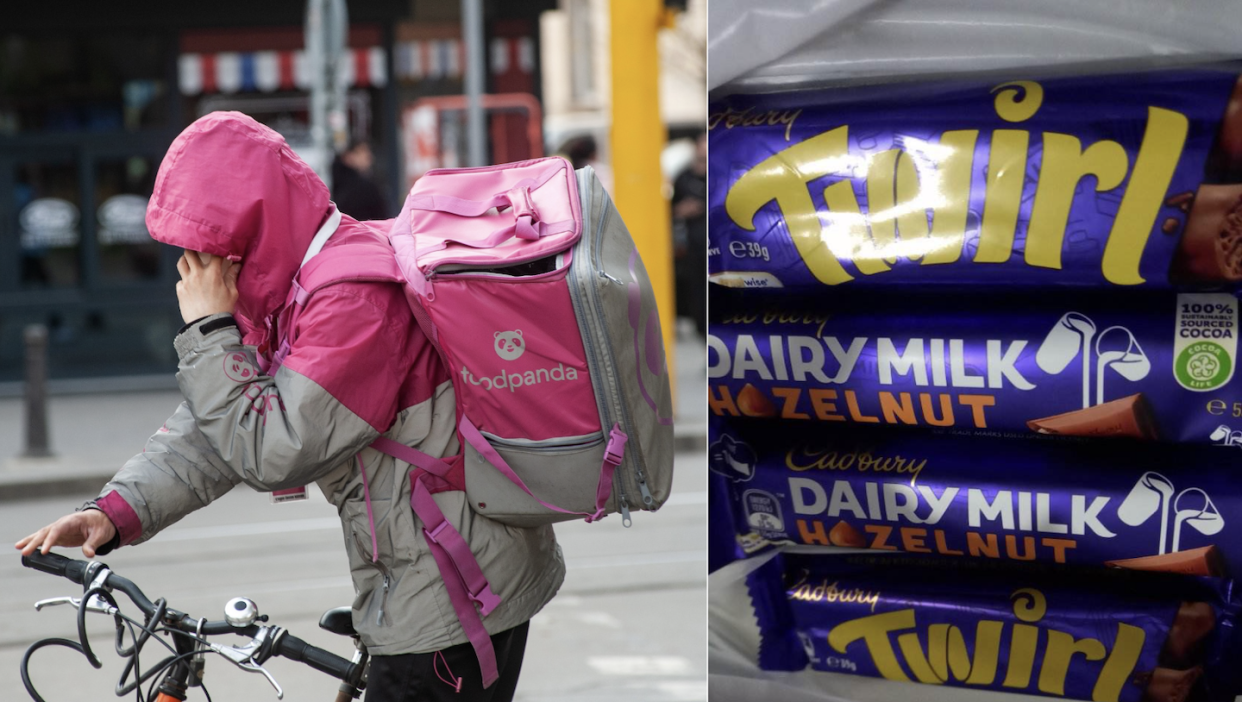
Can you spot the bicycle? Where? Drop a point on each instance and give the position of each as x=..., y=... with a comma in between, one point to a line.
x=185, y=667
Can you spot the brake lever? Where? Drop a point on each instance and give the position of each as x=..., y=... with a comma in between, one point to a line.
x=252, y=667
x=92, y=606
x=243, y=656
x=96, y=603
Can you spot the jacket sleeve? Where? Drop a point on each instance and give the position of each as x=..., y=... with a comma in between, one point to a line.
x=334, y=394
x=176, y=473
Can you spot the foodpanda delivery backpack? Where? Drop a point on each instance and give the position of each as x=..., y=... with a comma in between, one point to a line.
x=526, y=281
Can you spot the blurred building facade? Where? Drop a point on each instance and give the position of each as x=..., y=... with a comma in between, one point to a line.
x=577, y=83
x=92, y=94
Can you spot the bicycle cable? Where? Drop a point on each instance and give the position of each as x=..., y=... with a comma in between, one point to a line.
x=149, y=629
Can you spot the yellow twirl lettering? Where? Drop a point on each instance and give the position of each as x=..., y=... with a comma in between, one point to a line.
x=952, y=198
x=896, y=204
x=1153, y=169
x=1059, y=654
x=783, y=177
x=873, y=631
x=919, y=665
x=1015, y=102
x=1003, y=196
x=1120, y=664
x=845, y=230
x=901, y=192
x=1065, y=163
x=946, y=652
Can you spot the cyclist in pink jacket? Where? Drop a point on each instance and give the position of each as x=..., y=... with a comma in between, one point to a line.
x=246, y=209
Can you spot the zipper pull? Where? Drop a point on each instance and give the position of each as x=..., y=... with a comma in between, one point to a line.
x=648, y=500
x=625, y=513
x=379, y=618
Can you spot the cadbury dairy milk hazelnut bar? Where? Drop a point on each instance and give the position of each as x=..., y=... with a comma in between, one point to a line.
x=1118, y=180
x=1156, y=366
x=1154, y=507
x=1113, y=637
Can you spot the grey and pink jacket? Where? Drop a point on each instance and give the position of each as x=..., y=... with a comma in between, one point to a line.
x=357, y=367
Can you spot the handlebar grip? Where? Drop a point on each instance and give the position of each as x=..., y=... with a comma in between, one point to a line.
x=56, y=564
x=296, y=649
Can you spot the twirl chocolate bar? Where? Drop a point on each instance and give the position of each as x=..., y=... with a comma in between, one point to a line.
x=1144, y=366
x=1122, y=638
x=1158, y=507
x=1118, y=180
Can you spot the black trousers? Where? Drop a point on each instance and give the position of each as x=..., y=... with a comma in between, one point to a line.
x=412, y=677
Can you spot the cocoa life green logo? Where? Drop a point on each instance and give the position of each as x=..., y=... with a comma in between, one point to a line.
x=1203, y=365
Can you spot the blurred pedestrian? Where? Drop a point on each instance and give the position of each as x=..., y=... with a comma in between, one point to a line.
x=353, y=190
x=279, y=408
x=583, y=151
x=690, y=237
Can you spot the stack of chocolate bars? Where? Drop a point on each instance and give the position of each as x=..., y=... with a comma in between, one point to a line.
x=987, y=330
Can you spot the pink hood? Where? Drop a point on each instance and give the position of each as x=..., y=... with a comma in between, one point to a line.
x=232, y=187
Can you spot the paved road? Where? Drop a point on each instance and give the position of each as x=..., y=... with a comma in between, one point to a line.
x=629, y=623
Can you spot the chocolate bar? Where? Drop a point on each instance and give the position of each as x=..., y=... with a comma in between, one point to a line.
x=1140, y=507
x=1148, y=366
x=1128, y=416
x=1062, y=633
x=1031, y=183
x=1190, y=628
x=1205, y=560
x=1165, y=685
x=1211, y=246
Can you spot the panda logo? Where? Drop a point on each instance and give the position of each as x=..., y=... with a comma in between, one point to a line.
x=238, y=368
x=510, y=345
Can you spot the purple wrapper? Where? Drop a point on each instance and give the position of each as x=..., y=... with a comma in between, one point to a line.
x=1159, y=507
x=1120, y=637
x=1150, y=367
x=1098, y=181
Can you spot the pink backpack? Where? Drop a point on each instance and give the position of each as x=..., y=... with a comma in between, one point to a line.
x=525, y=279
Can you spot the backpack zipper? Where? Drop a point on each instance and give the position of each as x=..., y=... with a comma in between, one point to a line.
x=549, y=446
x=606, y=415
x=609, y=209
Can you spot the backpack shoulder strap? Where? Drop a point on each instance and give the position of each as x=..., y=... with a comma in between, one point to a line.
x=347, y=263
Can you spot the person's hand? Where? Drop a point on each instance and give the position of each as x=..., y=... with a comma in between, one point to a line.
x=206, y=288
x=89, y=529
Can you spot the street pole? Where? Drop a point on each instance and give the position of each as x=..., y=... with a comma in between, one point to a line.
x=638, y=138
x=472, y=38
x=36, y=392
x=327, y=22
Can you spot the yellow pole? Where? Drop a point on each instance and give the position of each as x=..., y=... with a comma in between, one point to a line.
x=638, y=137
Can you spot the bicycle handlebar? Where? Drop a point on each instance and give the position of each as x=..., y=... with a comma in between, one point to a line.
x=286, y=645
x=56, y=564
x=296, y=649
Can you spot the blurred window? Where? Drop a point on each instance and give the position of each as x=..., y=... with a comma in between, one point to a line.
x=103, y=82
x=126, y=250
x=47, y=205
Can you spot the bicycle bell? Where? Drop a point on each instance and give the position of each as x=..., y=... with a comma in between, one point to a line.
x=240, y=612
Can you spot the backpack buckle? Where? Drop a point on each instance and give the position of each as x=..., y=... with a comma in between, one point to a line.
x=614, y=453
x=485, y=599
